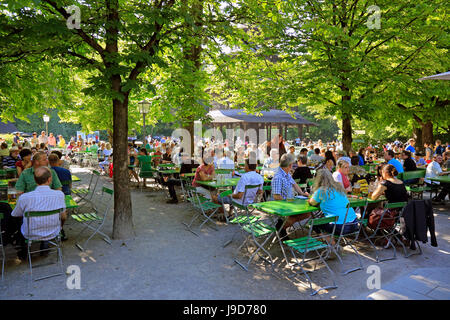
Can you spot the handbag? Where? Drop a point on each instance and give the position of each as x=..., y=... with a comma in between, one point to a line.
x=388, y=218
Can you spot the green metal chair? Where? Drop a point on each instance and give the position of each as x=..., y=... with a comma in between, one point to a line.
x=416, y=188
x=44, y=217
x=204, y=207
x=96, y=219
x=349, y=239
x=256, y=231
x=319, y=245
x=86, y=194
x=145, y=169
x=387, y=233
x=239, y=215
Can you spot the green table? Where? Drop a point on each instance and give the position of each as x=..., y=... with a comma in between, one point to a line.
x=442, y=179
x=191, y=174
x=230, y=182
x=284, y=208
x=70, y=203
x=169, y=171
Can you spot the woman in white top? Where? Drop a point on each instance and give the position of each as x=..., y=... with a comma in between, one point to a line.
x=341, y=175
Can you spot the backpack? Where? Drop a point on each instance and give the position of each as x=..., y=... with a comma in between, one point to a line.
x=388, y=219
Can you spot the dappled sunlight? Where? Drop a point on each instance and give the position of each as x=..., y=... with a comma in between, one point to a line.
x=86, y=255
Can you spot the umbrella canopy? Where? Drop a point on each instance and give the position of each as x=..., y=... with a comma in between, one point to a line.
x=440, y=76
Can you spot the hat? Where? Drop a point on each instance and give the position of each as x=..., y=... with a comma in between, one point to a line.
x=14, y=149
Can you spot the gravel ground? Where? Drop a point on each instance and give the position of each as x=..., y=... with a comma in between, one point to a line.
x=165, y=261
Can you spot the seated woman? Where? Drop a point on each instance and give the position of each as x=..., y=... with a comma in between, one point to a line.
x=329, y=162
x=394, y=189
x=331, y=197
x=25, y=163
x=302, y=172
x=204, y=172
x=341, y=175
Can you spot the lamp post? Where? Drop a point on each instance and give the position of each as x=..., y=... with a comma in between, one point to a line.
x=46, y=120
x=144, y=108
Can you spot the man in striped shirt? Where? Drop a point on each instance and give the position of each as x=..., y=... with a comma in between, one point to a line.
x=41, y=199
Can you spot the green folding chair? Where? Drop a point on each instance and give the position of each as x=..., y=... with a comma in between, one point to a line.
x=86, y=194
x=240, y=216
x=256, y=231
x=51, y=219
x=382, y=232
x=349, y=239
x=318, y=245
x=145, y=169
x=416, y=189
x=95, y=220
x=205, y=209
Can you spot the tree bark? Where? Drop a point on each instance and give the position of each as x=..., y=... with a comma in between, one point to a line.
x=417, y=134
x=123, y=222
x=347, y=133
x=427, y=132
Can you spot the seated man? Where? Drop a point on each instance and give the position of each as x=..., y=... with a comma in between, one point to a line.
x=10, y=161
x=187, y=165
x=41, y=199
x=418, y=158
x=434, y=170
x=64, y=175
x=282, y=185
x=27, y=183
x=249, y=178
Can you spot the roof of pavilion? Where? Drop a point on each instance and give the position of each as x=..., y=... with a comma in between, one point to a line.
x=271, y=116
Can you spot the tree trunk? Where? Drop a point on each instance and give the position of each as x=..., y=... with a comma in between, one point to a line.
x=110, y=136
x=190, y=128
x=417, y=134
x=123, y=222
x=427, y=132
x=347, y=133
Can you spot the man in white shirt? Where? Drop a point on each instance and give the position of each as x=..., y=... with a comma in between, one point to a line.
x=434, y=170
x=249, y=178
x=43, y=138
x=316, y=157
x=41, y=199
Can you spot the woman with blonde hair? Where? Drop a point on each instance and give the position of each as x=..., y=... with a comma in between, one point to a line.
x=330, y=195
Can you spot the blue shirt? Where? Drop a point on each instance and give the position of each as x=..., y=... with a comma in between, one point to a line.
x=398, y=166
x=361, y=160
x=334, y=204
x=63, y=175
x=411, y=149
x=282, y=184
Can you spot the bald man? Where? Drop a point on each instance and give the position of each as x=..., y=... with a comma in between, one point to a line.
x=27, y=183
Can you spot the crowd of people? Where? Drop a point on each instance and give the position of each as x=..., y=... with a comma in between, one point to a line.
x=329, y=172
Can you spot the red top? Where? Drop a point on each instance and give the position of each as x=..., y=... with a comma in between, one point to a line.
x=203, y=168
